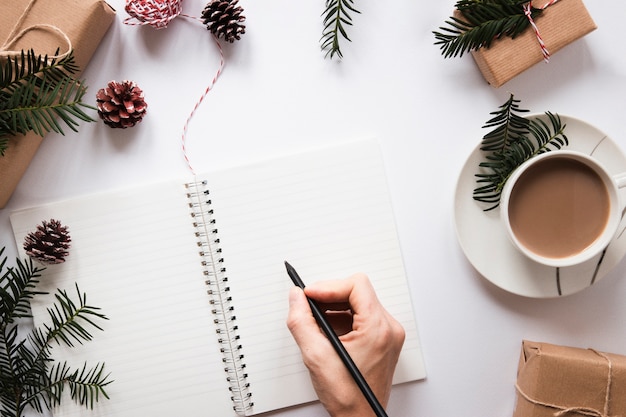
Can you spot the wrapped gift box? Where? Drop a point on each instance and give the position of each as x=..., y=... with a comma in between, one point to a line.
x=558, y=380
x=84, y=22
x=559, y=25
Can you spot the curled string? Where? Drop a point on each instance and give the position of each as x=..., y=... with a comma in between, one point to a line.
x=563, y=411
x=13, y=38
x=155, y=13
x=158, y=14
x=528, y=13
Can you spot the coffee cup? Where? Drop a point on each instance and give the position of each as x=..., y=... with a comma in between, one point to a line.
x=562, y=208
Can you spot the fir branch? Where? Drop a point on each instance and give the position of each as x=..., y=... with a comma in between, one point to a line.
x=68, y=319
x=509, y=126
x=336, y=15
x=35, y=91
x=510, y=144
x=17, y=288
x=480, y=23
x=28, y=375
x=19, y=69
x=87, y=386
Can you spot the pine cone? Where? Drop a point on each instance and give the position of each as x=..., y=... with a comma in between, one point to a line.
x=49, y=243
x=223, y=18
x=121, y=105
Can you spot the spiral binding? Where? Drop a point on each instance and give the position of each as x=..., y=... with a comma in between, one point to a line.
x=219, y=292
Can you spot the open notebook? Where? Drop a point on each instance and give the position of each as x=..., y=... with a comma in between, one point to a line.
x=154, y=258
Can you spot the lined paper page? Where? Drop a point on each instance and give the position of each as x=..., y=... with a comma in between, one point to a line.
x=327, y=212
x=133, y=253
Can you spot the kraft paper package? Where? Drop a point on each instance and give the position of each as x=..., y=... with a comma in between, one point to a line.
x=558, y=380
x=42, y=25
x=560, y=24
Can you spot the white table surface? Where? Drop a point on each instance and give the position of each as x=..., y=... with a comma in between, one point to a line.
x=278, y=93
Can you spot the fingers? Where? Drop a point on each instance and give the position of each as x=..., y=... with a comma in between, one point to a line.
x=357, y=290
x=300, y=320
x=368, y=314
x=369, y=333
x=365, y=322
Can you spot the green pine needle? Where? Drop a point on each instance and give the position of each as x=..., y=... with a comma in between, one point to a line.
x=39, y=94
x=513, y=141
x=336, y=17
x=29, y=377
x=482, y=22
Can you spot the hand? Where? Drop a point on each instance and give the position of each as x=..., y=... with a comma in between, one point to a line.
x=372, y=337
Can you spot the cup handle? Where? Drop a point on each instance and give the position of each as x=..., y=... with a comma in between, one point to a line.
x=620, y=180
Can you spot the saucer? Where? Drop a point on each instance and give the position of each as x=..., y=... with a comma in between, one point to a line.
x=486, y=245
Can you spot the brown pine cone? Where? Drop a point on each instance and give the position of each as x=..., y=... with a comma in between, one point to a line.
x=223, y=18
x=121, y=105
x=49, y=243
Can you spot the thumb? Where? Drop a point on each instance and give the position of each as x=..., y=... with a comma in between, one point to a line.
x=300, y=320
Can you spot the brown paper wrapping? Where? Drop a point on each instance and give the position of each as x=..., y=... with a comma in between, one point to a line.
x=84, y=22
x=556, y=380
x=559, y=25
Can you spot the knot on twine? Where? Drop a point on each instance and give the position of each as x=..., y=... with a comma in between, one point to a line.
x=14, y=36
x=528, y=12
x=156, y=13
x=563, y=411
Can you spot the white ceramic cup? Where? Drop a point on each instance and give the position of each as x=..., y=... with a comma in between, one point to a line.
x=612, y=183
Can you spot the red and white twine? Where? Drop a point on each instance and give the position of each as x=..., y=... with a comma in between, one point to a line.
x=528, y=13
x=206, y=91
x=155, y=13
x=158, y=14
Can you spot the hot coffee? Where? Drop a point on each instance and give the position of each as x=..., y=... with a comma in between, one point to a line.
x=558, y=207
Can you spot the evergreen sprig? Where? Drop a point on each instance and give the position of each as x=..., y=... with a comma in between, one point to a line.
x=29, y=377
x=513, y=141
x=336, y=15
x=39, y=94
x=480, y=23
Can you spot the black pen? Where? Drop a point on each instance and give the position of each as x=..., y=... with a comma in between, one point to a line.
x=341, y=350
